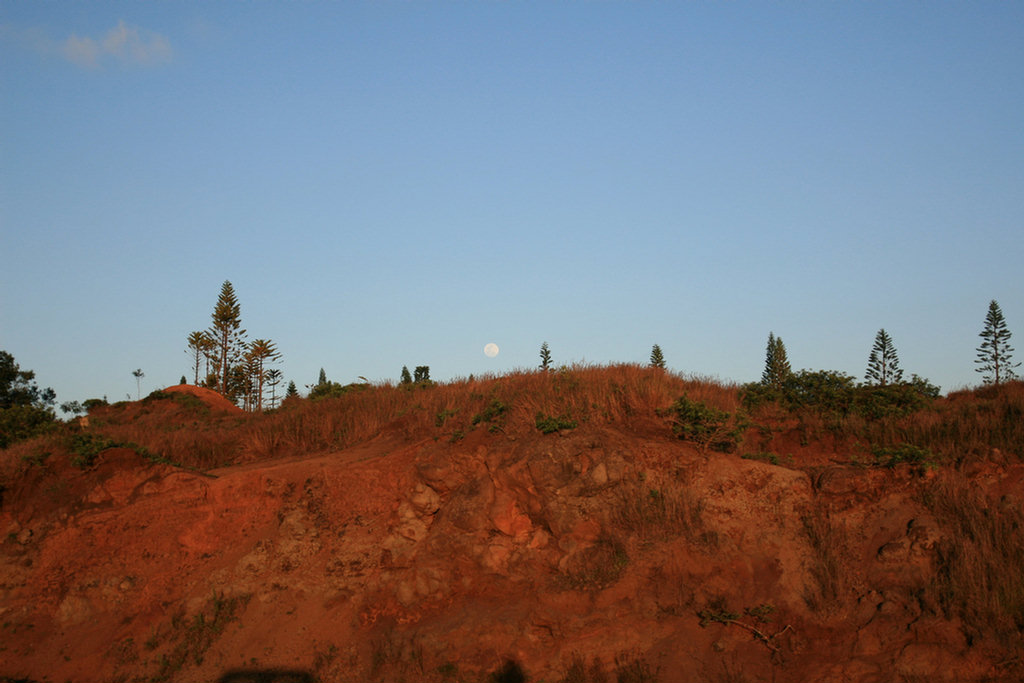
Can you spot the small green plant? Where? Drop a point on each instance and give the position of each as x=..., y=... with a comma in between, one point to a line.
x=443, y=415
x=717, y=612
x=709, y=428
x=761, y=613
x=548, y=424
x=920, y=458
x=191, y=403
x=494, y=410
x=85, y=448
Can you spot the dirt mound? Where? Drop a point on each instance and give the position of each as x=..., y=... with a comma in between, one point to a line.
x=211, y=398
x=423, y=534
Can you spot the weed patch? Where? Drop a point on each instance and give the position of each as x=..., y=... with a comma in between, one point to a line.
x=978, y=564
x=708, y=427
x=548, y=424
x=194, y=635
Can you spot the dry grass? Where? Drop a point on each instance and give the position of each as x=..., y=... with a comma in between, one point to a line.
x=827, y=541
x=978, y=565
x=653, y=510
x=985, y=423
x=601, y=395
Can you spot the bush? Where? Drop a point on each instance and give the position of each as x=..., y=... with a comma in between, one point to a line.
x=86, y=447
x=21, y=422
x=548, y=424
x=905, y=453
x=708, y=427
x=334, y=389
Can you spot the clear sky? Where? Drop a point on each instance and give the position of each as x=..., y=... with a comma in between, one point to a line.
x=400, y=183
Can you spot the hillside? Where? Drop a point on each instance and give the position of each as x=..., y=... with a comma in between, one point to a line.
x=539, y=526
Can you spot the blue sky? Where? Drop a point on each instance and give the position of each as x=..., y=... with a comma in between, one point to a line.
x=396, y=183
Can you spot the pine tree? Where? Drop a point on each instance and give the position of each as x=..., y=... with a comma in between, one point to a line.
x=273, y=377
x=776, y=364
x=228, y=337
x=406, y=377
x=259, y=353
x=545, y=357
x=883, y=364
x=657, y=358
x=995, y=355
x=291, y=391
x=322, y=380
x=199, y=347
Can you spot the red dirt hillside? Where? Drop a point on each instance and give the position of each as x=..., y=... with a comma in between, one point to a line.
x=209, y=397
x=539, y=526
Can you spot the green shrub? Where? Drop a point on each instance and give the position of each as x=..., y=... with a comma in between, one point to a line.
x=548, y=424
x=904, y=454
x=86, y=447
x=330, y=389
x=494, y=410
x=708, y=427
x=20, y=422
x=770, y=458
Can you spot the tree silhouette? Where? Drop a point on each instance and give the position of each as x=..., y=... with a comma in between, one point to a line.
x=200, y=346
x=421, y=374
x=25, y=409
x=138, y=375
x=883, y=365
x=228, y=337
x=657, y=358
x=545, y=357
x=776, y=363
x=274, y=377
x=259, y=353
x=995, y=355
x=406, y=378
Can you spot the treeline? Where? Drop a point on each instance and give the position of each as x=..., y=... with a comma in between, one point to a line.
x=239, y=369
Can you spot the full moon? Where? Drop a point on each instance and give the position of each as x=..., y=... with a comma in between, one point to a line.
x=491, y=350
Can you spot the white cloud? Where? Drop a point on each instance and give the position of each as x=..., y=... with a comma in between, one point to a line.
x=122, y=44
x=136, y=46
x=81, y=51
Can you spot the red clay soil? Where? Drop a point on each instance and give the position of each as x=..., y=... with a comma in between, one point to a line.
x=437, y=560
x=211, y=398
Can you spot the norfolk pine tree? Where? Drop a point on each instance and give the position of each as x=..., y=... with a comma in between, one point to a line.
x=260, y=352
x=883, y=365
x=545, y=357
x=995, y=355
x=776, y=364
x=199, y=347
x=657, y=358
x=228, y=337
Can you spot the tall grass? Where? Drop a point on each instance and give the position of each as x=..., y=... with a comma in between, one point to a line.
x=511, y=404
x=984, y=423
x=979, y=563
